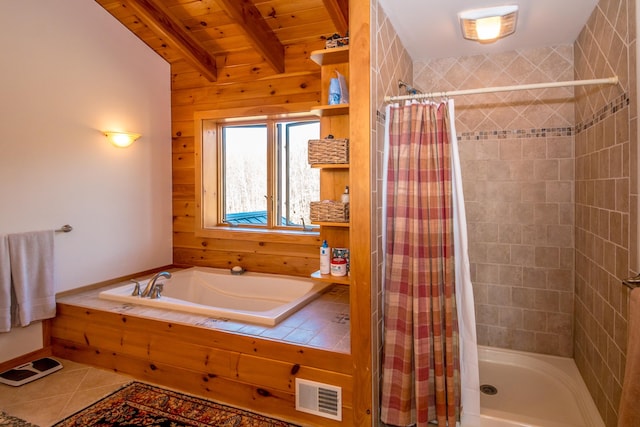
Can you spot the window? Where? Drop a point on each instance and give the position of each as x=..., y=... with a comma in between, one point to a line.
x=255, y=174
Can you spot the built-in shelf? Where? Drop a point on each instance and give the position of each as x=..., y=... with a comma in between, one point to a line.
x=330, y=165
x=330, y=110
x=331, y=224
x=335, y=174
x=336, y=55
x=342, y=280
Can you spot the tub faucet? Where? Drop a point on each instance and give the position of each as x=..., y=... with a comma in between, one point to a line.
x=151, y=284
x=156, y=292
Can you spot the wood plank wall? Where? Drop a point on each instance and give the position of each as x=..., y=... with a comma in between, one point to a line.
x=299, y=88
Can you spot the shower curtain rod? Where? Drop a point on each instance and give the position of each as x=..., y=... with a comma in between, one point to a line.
x=609, y=81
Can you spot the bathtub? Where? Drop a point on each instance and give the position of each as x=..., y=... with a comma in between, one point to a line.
x=533, y=390
x=260, y=298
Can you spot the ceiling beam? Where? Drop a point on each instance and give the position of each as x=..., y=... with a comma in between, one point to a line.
x=165, y=25
x=262, y=37
x=339, y=13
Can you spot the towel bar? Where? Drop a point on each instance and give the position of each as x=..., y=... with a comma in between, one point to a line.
x=64, y=229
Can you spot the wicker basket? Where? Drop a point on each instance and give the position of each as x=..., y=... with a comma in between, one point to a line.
x=329, y=211
x=331, y=43
x=328, y=151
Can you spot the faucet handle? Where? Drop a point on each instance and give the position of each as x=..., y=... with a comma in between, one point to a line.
x=157, y=291
x=136, y=288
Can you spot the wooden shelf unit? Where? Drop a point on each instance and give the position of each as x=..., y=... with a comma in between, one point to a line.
x=331, y=166
x=330, y=224
x=335, y=55
x=334, y=120
x=331, y=110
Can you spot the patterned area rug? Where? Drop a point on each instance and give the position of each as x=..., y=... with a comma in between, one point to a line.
x=139, y=404
x=9, y=421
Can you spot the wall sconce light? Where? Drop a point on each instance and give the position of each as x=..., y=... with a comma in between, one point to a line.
x=121, y=139
x=489, y=24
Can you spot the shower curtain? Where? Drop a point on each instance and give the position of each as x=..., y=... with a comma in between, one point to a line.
x=430, y=361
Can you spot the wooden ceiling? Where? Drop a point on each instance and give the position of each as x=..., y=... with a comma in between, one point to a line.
x=228, y=41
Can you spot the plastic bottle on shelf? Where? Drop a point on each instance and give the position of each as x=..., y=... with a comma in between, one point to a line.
x=344, y=198
x=325, y=258
x=334, y=92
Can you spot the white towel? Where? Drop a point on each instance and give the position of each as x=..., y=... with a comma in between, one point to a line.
x=31, y=256
x=5, y=286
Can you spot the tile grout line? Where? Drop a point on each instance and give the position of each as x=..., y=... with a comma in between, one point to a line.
x=72, y=396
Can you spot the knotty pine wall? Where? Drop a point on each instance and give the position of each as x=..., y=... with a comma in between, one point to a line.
x=296, y=90
x=243, y=371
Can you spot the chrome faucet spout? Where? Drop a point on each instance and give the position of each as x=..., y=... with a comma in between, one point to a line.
x=151, y=284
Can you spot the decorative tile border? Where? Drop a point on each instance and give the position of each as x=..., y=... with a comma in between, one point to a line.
x=611, y=108
x=516, y=133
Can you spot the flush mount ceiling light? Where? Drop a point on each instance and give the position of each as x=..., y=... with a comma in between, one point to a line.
x=489, y=24
x=121, y=139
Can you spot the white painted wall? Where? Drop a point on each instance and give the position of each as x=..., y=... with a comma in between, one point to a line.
x=70, y=70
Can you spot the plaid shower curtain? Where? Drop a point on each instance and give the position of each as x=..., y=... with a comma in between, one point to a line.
x=421, y=369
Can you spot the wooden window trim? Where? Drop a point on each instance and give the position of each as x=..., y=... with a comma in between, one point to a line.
x=298, y=237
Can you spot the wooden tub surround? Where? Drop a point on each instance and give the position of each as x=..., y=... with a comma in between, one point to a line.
x=249, y=366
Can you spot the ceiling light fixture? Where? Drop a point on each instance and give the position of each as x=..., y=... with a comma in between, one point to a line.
x=489, y=24
x=121, y=139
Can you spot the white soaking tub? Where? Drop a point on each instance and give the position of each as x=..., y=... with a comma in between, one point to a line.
x=260, y=298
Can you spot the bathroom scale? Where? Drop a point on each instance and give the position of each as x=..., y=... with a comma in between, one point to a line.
x=31, y=371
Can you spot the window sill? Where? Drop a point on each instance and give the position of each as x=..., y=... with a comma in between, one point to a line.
x=259, y=235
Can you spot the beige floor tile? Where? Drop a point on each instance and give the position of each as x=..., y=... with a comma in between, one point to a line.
x=41, y=412
x=99, y=378
x=84, y=398
x=47, y=400
x=58, y=383
x=70, y=365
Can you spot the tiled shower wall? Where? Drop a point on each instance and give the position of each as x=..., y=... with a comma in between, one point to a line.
x=516, y=151
x=606, y=200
